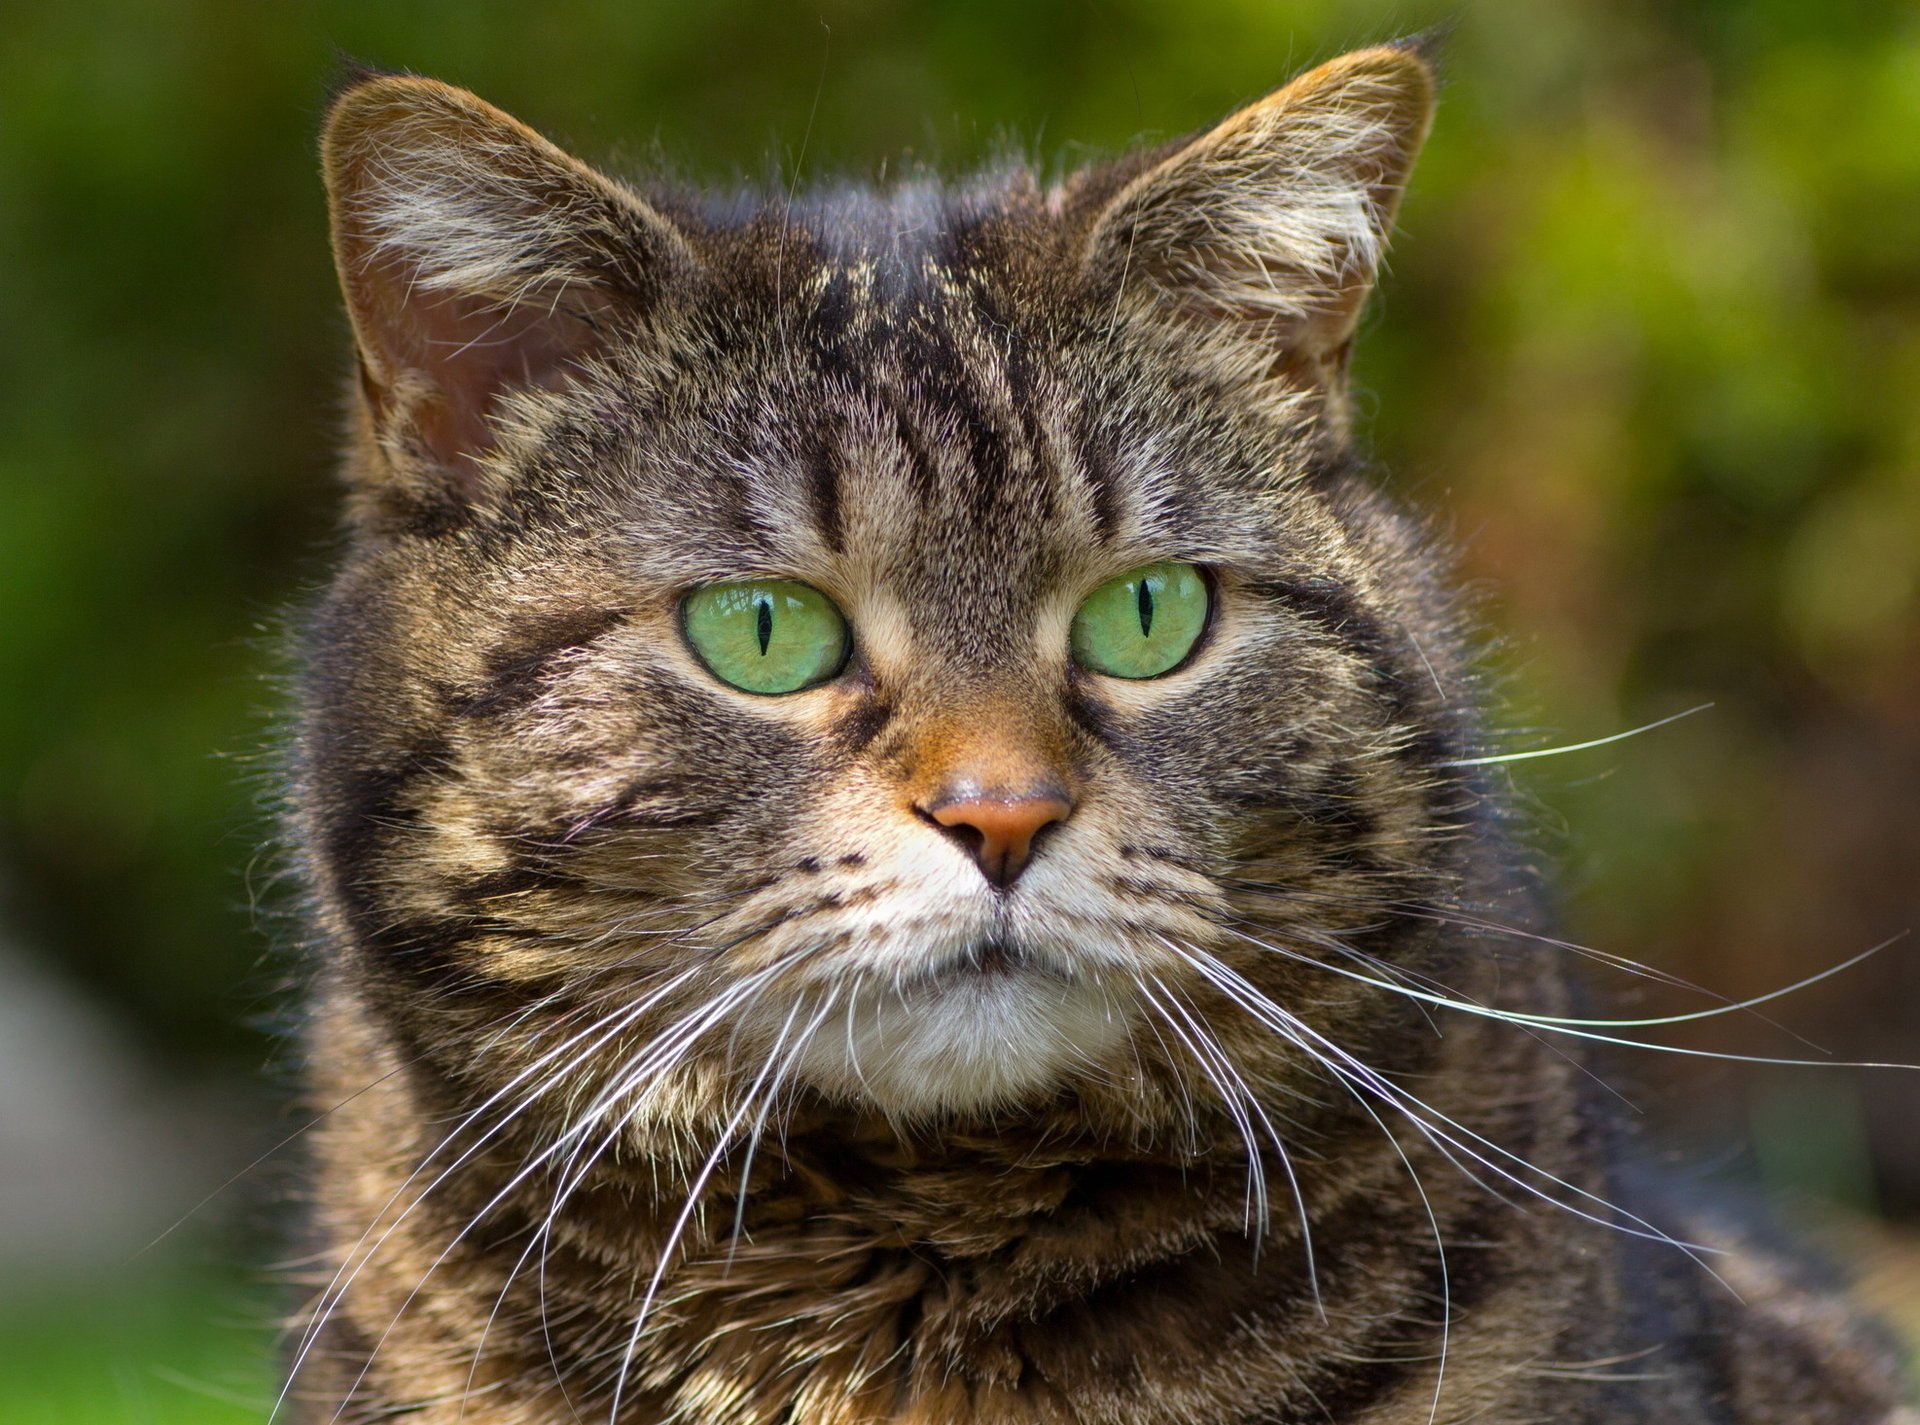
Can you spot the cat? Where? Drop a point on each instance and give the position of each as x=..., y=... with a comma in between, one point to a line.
x=896, y=830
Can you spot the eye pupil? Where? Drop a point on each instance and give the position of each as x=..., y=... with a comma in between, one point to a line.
x=764, y=625
x=1146, y=607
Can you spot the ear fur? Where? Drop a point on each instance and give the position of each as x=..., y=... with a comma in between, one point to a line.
x=476, y=258
x=1262, y=236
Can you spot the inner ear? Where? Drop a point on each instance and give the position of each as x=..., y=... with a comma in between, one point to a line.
x=447, y=362
x=477, y=261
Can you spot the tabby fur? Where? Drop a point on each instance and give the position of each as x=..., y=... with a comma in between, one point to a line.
x=676, y=1069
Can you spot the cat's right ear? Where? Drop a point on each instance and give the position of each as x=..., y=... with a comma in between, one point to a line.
x=477, y=259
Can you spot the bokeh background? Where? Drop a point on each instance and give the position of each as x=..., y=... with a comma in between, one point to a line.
x=1650, y=345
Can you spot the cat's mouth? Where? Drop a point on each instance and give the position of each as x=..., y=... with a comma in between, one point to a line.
x=977, y=1023
x=990, y=958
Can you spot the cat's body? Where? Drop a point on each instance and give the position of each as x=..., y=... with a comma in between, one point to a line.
x=1047, y=1017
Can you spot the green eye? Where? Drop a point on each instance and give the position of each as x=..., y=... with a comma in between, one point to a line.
x=1142, y=624
x=766, y=635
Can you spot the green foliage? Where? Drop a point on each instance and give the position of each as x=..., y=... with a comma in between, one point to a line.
x=159, y=1349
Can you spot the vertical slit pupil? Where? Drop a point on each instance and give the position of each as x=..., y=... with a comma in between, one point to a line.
x=1146, y=608
x=763, y=627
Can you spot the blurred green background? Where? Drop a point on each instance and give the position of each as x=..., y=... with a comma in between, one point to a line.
x=1650, y=345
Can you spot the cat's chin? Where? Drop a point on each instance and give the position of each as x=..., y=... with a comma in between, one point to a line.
x=983, y=1032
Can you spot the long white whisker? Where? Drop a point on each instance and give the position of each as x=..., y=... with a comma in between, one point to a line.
x=1416, y=979
x=1575, y=746
x=1256, y=1207
x=657, y=1060
x=360, y=1253
x=853, y=1049
x=660, y=1056
x=679, y=1041
x=801, y=1041
x=1455, y=916
x=694, y=1191
x=1279, y=1146
x=1583, y=1028
x=1179, y=1080
x=1303, y=1035
x=1439, y=1247
x=1290, y=1028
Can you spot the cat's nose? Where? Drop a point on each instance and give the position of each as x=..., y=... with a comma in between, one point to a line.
x=998, y=828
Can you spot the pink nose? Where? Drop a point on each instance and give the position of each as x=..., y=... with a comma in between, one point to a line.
x=999, y=829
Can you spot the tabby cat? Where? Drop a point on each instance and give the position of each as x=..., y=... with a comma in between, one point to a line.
x=898, y=832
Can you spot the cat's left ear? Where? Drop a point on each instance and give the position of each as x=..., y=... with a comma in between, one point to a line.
x=1262, y=236
x=477, y=260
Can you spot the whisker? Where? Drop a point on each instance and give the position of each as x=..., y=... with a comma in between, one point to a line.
x=1191, y=1116
x=657, y=1059
x=1230, y=1100
x=760, y=1120
x=1290, y=1028
x=1464, y=920
x=1574, y=746
x=1584, y=1028
x=693, y=1197
x=512, y=1184
x=504, y=1025
x=853, y=1049
x=359, y=1254
x=678, y=1038
x=1311, y=1041
x=1279, y=1144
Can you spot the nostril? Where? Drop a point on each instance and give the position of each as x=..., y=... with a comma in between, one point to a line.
x=999, y=831
x=971, y=839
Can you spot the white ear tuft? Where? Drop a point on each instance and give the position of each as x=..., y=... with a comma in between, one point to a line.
x=475, y=257
x=1264, y=234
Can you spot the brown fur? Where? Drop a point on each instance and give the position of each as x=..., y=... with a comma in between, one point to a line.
x=928, y=1149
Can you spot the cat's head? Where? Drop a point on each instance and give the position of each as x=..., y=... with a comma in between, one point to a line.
x=928, y=649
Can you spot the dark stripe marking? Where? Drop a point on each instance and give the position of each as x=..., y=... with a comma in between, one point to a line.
x=858, y=728
x=514, y=674
x=823, y=485
x=1096, y=473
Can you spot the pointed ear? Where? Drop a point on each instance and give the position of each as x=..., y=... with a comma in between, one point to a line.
x=1263, y=235
x=476, y=259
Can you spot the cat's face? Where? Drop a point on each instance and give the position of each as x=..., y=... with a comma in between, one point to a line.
x=961, y=870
